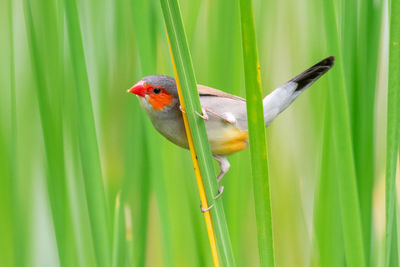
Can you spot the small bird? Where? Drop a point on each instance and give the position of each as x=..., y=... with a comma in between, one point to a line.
x=225, y=114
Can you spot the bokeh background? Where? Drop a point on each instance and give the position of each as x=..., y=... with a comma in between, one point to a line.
x=56, y=138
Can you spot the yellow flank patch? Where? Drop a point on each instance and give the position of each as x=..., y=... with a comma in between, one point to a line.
x=234, y=140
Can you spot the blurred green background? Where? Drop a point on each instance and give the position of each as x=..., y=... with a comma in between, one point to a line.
x=72, y=139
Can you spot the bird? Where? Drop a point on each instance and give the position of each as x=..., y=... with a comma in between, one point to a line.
x=225, y=115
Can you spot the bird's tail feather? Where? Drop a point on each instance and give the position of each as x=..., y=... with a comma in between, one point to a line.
x=280, y=98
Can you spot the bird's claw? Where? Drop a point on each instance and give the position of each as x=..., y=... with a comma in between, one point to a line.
x=207, y=209
x=220, y=190
x=204, y=116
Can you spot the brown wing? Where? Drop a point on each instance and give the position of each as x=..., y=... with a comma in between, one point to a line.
x=208, y=91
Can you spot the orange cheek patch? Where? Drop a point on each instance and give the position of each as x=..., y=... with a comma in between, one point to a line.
x=160, y=101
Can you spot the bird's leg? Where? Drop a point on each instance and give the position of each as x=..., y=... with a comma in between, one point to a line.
x=223, y=164
x=204, y=116
x=220, y=190
x=181, y=109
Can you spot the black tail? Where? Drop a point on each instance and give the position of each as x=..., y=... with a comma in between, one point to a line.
x=312, y=74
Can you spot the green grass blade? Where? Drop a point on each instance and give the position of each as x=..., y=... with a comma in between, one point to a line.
x=137, y=188
x=392, y=134
x=46, y=58
x=362, y=140
x=327, y=221
x=7, y=243
x=15, y=182
x=221, y=52
x=187, y=80
x=257, y=136
x=348, y=194
x=363, y=106
x=48, y=215
x=88, y=141
x=148, y=150
x=147, y=39
x=119, y=240
x=159, y=187
x=144, y=184
x=76, y=185
x=363, y=126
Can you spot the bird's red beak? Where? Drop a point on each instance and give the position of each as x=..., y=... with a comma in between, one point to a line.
x=138, y=89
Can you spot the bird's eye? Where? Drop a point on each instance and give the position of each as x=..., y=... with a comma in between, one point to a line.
x=157, y=91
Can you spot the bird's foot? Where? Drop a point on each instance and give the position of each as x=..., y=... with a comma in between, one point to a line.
x=207, y=209
x=204, y=116
x=220, y=190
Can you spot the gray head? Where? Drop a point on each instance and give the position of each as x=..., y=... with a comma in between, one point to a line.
x=166, y=82
x=159, y=91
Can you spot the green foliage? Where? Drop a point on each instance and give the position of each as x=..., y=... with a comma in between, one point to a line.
x=343, y=149
x=71, y=139
x=87, y=138
x=393, y=134
x=187, y=80
x=47, y=70
x=257, y=137
x=328, y=228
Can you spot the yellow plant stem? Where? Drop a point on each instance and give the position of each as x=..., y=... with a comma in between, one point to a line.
x=199, y=179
